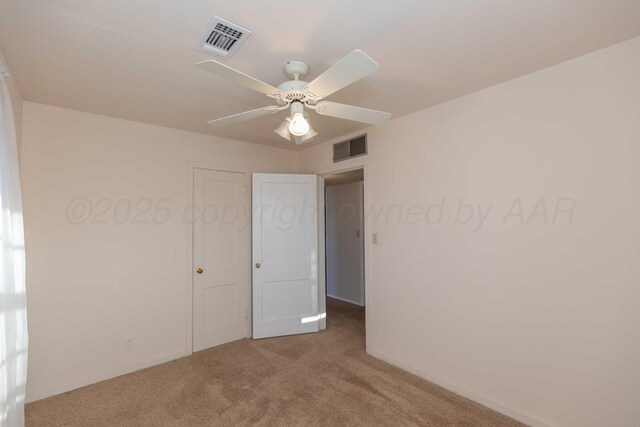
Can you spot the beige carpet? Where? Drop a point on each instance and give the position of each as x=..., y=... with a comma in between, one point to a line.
x=303, y=380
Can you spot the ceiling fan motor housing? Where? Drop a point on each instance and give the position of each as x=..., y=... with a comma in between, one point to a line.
x=292, y=90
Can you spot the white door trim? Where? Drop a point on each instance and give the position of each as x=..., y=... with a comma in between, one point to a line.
x=346, y=166
x=187, y=217
x=322, y=279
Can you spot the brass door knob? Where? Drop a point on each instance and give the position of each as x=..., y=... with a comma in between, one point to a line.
x=257, y=265
x=199, y=271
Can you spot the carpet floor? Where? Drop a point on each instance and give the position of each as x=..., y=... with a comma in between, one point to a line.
x=323, y=379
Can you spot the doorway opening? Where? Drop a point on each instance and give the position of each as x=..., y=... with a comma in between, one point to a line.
x=345, y=249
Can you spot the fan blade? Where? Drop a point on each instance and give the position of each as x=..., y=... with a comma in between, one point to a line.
x=297, y=139
x=229, y=73
x=241, y=117
x=350, y=112
x=349, y=69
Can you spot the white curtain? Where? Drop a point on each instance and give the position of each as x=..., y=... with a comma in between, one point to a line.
x=13, y=310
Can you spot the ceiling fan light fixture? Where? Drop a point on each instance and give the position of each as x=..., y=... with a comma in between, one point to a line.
x=310, y=135
x=283, y=129
x=299, y=125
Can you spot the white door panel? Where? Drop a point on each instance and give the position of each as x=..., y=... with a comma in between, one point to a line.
x=285, y=254
x=221, y=250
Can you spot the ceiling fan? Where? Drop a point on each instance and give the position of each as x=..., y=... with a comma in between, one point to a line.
x=299, y=96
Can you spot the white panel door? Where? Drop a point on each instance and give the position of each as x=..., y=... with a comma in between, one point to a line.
x=285, y=254
x=221, y=256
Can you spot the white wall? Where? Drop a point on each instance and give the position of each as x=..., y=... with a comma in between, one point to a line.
x=344, y=245
x=96, y=280
x=537, y=317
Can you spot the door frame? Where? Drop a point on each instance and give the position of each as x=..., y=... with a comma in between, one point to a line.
x=187, y=217
x=346, y=166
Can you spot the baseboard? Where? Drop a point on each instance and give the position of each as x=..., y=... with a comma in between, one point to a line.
x=102, y=376
x=498, y=407
x=346, y=300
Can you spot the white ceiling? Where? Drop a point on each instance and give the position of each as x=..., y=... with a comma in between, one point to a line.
x=134, y=58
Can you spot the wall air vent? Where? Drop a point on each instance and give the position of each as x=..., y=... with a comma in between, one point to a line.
x=223, y=38
x=350, y=148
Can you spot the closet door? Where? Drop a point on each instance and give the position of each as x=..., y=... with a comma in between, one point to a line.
x=221, y=255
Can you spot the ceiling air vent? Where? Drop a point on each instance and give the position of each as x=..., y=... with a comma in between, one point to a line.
x=350, y=148
x=223, y=37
